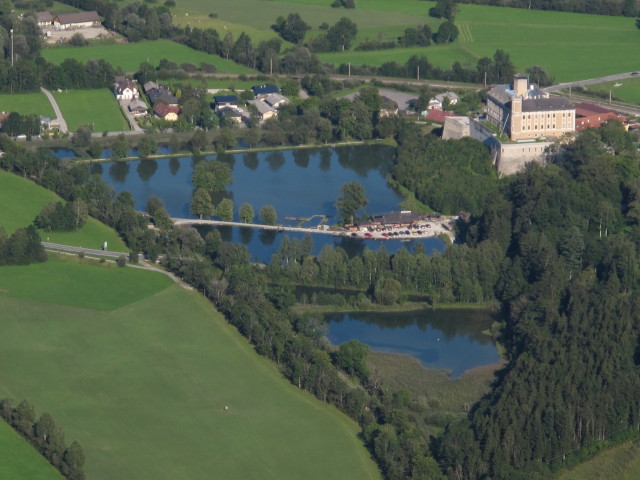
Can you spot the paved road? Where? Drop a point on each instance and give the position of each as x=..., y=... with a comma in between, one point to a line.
x=590, y=81
x=88, y=251
x=54, y=104
x=106, y=253
x=124, y=104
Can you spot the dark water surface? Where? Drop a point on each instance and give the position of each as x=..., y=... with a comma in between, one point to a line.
x=442, y=339
x=298, y=183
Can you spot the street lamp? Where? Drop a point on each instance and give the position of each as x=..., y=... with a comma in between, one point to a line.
x=12, y=47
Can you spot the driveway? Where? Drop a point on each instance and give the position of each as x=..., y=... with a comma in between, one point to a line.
x=54, y=104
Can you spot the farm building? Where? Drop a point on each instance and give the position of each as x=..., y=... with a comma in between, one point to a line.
x=167, y=112
x=68, y=21
x=44, y=19
x=524, y=111
x=233, y=114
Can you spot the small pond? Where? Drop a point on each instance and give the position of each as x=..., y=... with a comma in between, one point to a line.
x=441, y=339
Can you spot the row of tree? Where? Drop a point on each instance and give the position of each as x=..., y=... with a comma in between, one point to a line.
x=46, y=437
x=625, y=8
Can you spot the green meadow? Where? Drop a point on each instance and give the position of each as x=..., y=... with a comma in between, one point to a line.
x=128, y=57
x=98, y=108
x=20, y=460
x=566, y=44
x=140, y=371
x=27, y=199
x=26, y=104
x=628, y=92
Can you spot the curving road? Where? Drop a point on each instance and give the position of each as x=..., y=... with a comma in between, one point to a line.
x=54, y=104
x=69, y=249
x=590, y=81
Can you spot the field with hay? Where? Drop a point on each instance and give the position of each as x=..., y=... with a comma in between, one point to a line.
x=618, y=463
x=140, y=372
x=20, y=460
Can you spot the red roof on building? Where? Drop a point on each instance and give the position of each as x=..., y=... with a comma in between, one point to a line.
x=163, y=110
x=586, y=109
x=438, y=115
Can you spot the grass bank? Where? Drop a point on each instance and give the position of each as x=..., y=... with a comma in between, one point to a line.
x=20, y=460
x=27, y=199
x=621, y=462
x=142, y=381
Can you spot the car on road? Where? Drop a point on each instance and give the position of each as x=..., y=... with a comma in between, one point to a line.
x=635, y=74
x=368, y=235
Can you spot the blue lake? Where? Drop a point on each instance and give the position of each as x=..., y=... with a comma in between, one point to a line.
x=441, y=339
x=298, y=183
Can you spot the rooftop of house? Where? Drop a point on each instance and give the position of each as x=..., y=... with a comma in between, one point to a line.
x=262, y=107
x=163, y=110
x=505, y=93
x=450, y=95
x=397, y=217
x=274, y=99
x=42, y=17
x=265, y=89
x=137, y=104
x=77, y=17
x=226, y=99
x=123, y=85
x=151, y=86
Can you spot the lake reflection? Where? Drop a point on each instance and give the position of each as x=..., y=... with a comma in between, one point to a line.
x=298, y=183
x=443, y=339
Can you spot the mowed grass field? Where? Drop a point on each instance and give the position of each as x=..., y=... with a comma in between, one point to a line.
x=26, y=104
x=20, y=461
x=566, y=44
x=26, y=199
x=618, y=463
x=129, y=56
x=98, y=108
x=142, y=381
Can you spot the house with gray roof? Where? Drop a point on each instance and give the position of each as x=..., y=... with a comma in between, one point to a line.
x=265, y=111
x=523, y=111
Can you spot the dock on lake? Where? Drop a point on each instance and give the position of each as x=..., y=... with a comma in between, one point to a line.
x=437, y=229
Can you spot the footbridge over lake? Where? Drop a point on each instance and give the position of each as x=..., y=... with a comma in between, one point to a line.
x=279, y=228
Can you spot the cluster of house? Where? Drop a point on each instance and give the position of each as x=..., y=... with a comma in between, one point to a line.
x=266, y=102
x=165, y=105
x=68, y=21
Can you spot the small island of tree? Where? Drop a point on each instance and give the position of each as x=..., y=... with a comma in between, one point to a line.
x=352, y=199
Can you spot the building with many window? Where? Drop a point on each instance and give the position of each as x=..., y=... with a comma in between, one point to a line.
x=524, y=111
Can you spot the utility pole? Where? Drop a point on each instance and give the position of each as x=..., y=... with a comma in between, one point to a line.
x=349, y=69
x=418, y=74
x=270, y=65
x=12, y=47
